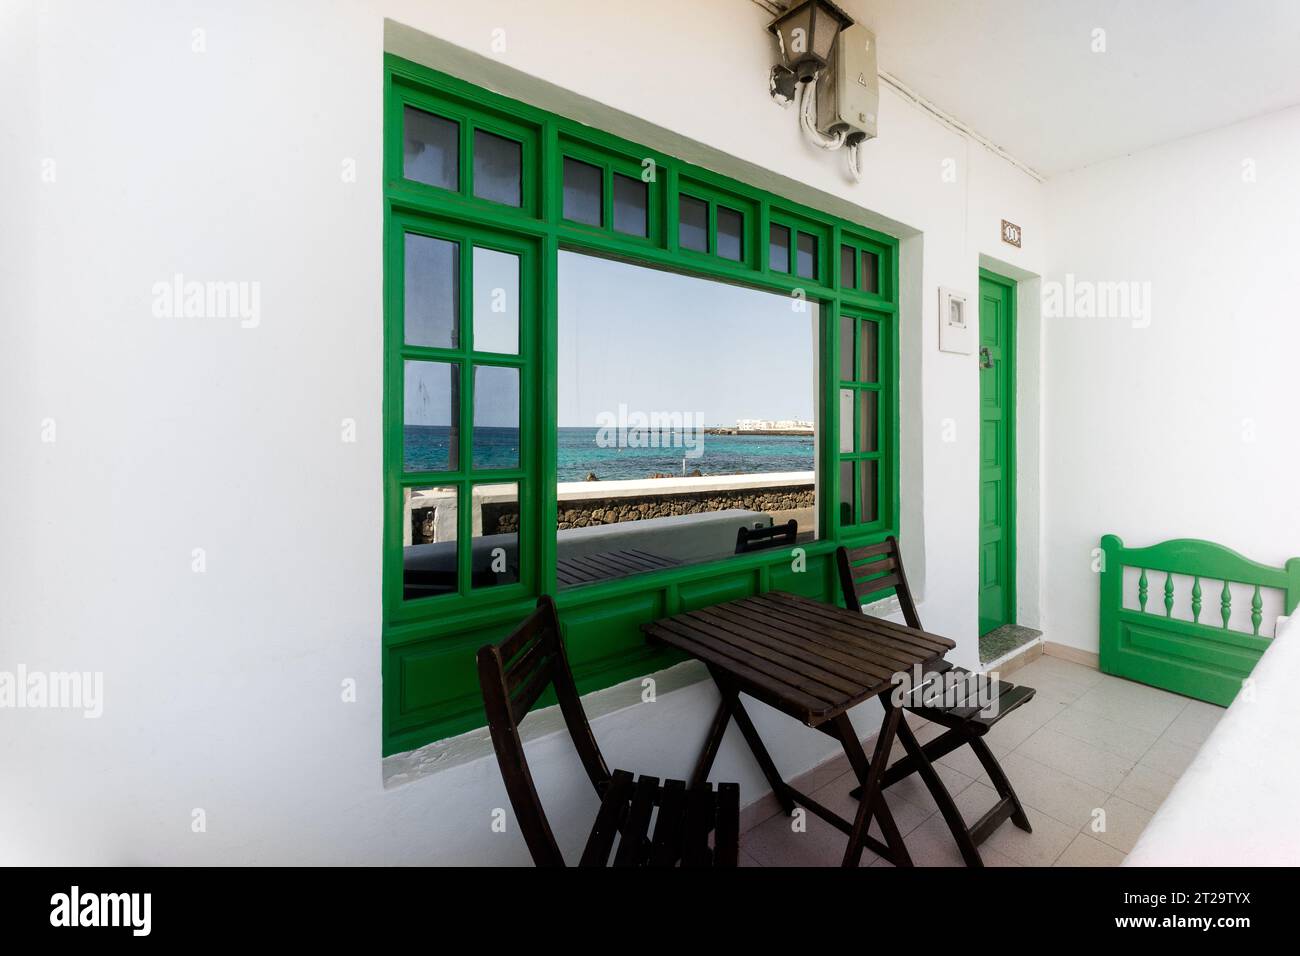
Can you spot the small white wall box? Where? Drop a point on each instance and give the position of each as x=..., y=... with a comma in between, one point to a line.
x=955, y=332
x=852, y=97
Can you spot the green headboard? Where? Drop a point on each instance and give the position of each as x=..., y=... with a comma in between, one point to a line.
x=1203, y=657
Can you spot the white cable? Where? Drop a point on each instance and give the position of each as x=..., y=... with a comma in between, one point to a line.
x=856, y=161
x=808, y=120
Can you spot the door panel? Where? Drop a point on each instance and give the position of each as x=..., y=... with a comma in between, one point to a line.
x=997, y=452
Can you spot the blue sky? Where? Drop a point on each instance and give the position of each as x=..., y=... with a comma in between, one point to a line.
x=655, y=342
x=658, y=341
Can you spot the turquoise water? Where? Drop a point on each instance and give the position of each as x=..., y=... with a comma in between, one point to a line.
x=579, y=453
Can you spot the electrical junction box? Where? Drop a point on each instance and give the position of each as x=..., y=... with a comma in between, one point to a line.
x=851, y=98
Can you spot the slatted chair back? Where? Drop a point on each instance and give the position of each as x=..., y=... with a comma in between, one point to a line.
x=513, y=675
x=869, y=570
x=773, y=536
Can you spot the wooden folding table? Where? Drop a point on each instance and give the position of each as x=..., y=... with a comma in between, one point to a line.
x=814, y=662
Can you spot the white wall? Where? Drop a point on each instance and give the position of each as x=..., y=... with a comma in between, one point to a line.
x=1183, y=428
x=223, y=688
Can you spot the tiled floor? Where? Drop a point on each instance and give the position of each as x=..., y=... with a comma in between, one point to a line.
x=1091, y=756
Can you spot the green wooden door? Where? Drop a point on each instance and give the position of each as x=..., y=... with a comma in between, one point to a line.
x=997, y=540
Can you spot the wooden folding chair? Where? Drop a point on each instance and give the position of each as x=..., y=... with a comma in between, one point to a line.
x=773, y=536
x=870, y=570
x=513, y=675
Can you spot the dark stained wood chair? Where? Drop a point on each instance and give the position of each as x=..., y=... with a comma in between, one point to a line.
x=773, y=536
x=867, y=571
x=513, y=675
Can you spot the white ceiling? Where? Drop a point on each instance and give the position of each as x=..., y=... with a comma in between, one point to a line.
x=1022, y=72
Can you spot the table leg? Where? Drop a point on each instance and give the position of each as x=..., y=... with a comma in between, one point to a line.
x=711, y=744
x=869, y=774
x=731, y=700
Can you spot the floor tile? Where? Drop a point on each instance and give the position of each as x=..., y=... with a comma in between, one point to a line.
x=1051, y=791
x=1038, y=848
x=775, y=842
x=1137, y=705
x=1110, y=735
x=822, y=774
x=1168, y=757
x=1080, y=760
x=913, y=789
x=1146, y=787
x=1060, y=669
x=1055, y=680
x=923, y=730
x=837, y=797
x=1016, y=727
x=964, y=759
x=1123, y=824
x=744, y=859
x=1085, y=851
x=932, y=844
x=1194, y=724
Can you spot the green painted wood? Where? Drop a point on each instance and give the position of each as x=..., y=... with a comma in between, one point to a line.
x=1199, y=660
x=997, y=534
x=430, y=687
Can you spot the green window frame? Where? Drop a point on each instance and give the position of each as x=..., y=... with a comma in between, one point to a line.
x=430, y=688
x=611, y=165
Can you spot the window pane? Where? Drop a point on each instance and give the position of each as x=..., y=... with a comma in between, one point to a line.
x=494, y=550
x=631, y=206
x=496, y=301
x=869, y=280
x=431, y=292
x=869, y=359
x=846, y=493
x=430, y=149
x=429, y=565
x=498, y=164
x=778, y=249
x=807, y=258
x=846, y=347
x=846, y=421
x=693, y=224
x=731, y=225
x=867, y=426
x=582, y=192
x=847, y=261
x=496, y=417
x=431, y=413
x=868, y=471
x=664, y=452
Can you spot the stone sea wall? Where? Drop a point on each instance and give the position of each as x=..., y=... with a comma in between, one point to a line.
x=621, y=504
x=596, y=511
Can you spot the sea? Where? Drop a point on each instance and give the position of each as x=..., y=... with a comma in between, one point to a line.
x=631, y=455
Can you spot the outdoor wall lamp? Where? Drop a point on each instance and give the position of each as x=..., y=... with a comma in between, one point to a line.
x=828, y=64
x=806, y=35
